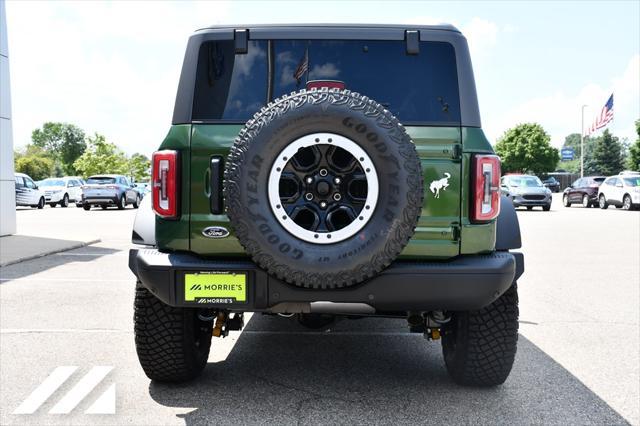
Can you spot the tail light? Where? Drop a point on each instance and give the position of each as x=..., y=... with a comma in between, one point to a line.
x=329, y=84
x=112, y=187
x=164, y=182
x=486, y=188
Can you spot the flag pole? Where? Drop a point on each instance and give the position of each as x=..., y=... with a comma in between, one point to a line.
x=582, y=144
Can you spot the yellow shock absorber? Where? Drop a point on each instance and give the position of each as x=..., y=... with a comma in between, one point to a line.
x=218, y=327
x=434, y=334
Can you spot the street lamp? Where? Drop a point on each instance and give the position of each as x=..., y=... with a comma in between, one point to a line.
x=582, y=144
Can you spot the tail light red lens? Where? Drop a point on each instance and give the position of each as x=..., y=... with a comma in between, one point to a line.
x=329, y=84
x=164, y=182
x=485, y=186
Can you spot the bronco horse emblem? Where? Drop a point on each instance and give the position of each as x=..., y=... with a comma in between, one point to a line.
x=440, y=184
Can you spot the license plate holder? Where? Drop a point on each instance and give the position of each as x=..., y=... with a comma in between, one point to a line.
x=215, y=288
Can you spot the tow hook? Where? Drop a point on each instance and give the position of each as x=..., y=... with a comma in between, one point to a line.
x=226, y=323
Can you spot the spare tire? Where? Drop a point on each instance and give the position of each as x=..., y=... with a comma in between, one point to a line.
x=323, y=188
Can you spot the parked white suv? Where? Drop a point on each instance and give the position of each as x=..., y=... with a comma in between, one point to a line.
x=61, y=190
x=27, y=192
x=622, y=191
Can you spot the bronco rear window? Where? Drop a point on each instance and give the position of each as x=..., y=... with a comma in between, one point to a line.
x=418, y=89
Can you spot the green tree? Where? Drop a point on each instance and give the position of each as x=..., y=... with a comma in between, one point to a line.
x=573, y=141
x=633, y=161
x=526, y=148
x=139, y=166
x=607, y=156
x=101, y=157
x=36, y=167
x=66, y=142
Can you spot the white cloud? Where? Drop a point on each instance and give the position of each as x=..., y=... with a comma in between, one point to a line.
x=560, y=113
x=328, y=70
x=481, y=34
x=107, y=67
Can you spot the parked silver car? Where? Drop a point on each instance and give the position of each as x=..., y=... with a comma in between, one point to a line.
x=526, y=191
x=109, y=190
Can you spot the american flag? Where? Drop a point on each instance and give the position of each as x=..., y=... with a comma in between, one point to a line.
x=604, y=118
x=303, y=66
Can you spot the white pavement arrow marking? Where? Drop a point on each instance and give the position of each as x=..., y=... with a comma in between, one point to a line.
x=45, y=390
x=81, y=389
x=106, y=403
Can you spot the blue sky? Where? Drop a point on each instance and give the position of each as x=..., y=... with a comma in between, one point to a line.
x=113, y=68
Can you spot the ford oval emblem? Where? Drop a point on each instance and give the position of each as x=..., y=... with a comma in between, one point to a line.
x=215, y=232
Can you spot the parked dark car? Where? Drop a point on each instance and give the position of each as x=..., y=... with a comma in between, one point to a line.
x=583, y=191
x=109, y=190
x=552, y=184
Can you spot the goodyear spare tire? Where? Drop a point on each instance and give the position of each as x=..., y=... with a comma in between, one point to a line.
x=323, y=188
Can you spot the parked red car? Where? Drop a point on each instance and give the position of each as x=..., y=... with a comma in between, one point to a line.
x=583, y=191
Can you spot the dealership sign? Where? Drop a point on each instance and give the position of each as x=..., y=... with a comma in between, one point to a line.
x=567, y=154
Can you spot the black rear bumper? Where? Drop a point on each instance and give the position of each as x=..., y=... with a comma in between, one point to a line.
x=466, y=282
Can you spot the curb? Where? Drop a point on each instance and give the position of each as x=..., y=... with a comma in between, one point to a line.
x=47, y=253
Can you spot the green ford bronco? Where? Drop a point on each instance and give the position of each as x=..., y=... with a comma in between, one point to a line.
x=322, y=171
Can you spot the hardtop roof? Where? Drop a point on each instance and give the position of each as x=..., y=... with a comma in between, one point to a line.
x=315, y=26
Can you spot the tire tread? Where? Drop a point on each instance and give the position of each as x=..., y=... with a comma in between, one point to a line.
x=486, y=342
x=404, y=229
x=162, y=339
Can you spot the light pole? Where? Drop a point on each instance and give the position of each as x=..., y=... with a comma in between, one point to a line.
x=582, y=144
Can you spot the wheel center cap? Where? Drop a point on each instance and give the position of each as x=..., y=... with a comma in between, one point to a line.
x=322, y=188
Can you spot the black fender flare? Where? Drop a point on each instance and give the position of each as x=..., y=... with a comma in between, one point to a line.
x=507, y=226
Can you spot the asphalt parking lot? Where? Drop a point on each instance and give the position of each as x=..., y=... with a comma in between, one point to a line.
x=577, y=362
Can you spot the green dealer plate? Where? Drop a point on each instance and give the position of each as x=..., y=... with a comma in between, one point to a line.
x=215, y=287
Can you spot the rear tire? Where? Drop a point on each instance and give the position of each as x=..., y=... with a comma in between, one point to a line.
x=479, y=347
x=585, y=201
x=172, y=343
x=602, y=202
x=565, y=201
x=65, y=201
x=87, y=207
x=122, y=204
x=626, y=203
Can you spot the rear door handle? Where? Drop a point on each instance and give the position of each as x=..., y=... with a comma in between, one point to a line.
x=216, y=176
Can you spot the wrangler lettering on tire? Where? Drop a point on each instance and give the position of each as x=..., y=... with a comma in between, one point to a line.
x=323, y=174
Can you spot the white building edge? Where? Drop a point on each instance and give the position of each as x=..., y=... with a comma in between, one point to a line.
x=7, y=180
